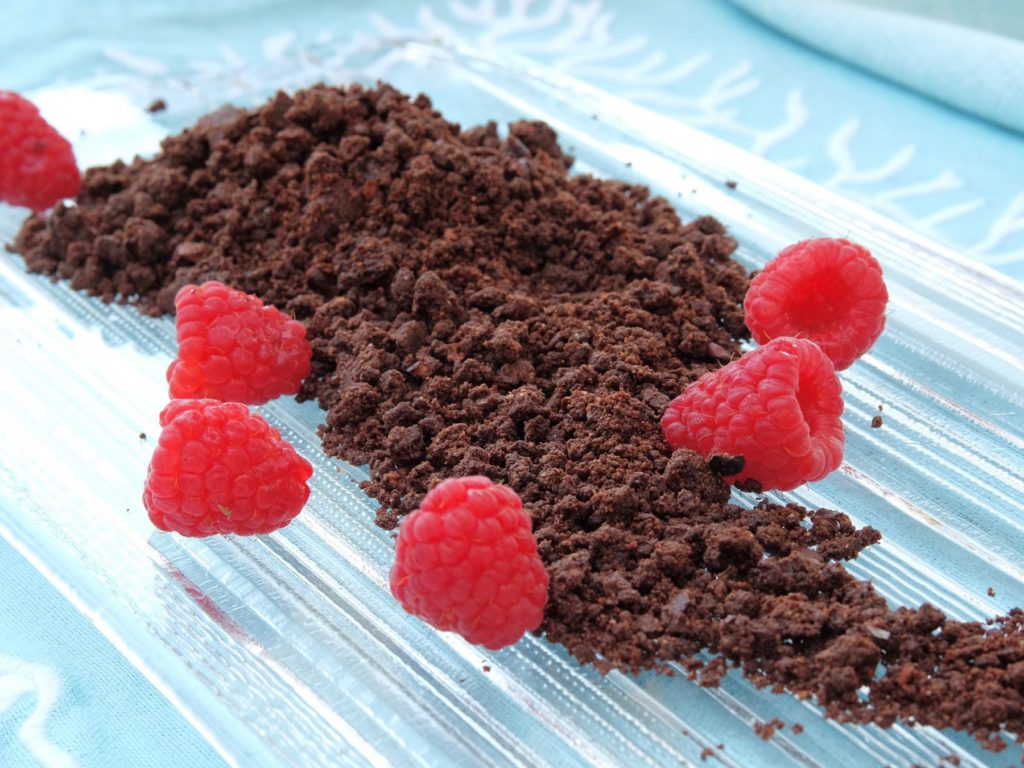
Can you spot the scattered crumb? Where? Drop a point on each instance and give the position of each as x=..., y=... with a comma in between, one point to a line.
x=880, y=408
x=994, y=743
x=767, y=730
x=876, y=422
x=721, y=746
x=725, y=464
x=951, y=759
x=991, y=592
x=142, y=435
x=719, y=352
x=731, y=183
x=487, y=667
x=750, y=485
x=629, y=165
x=157, y=105
x=797, y=728
x=706, y=753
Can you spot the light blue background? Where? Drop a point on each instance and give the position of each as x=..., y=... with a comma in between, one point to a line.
x=106, y=713
x=951, y=175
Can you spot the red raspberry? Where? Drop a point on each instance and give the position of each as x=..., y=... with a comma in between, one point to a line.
x=828, y=291
x=778, y=407
x=466, y=561
x=219, y=469
x=37, y=164
x=233, y=348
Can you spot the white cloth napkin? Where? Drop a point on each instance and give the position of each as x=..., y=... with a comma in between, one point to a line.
x=968, y=53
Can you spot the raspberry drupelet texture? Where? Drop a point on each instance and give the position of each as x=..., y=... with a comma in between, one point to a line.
x=466, y=561
x=779, y=407
x=827, y=290
x=219, y=469
x=37, y=164
x=232, y=347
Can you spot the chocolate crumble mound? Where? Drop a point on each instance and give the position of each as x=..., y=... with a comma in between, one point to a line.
x=474, y=309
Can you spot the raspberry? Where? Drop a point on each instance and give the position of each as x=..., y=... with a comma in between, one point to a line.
x=37, y=164
x=828, y=291
x=233, y=348
x=219, y=469
x=466, y=561
x=778, y=407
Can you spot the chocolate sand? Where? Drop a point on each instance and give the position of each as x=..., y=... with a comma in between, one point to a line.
x=475, y=310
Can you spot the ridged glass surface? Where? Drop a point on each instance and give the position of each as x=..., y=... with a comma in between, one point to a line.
x=288, y=649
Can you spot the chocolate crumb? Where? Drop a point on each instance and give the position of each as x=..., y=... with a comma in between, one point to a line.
x=876, y=422
x=991, y=592
x=706, y=753
x=767, y=730
x=486, y=668
x=797, y=728
x=718, y=352
x=468, y=316
x=731, y=183
x=723, y=464
x=157, y=105
x=142, y=435
x=750, y=485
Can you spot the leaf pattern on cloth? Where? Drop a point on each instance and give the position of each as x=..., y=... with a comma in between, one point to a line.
x=20, y=678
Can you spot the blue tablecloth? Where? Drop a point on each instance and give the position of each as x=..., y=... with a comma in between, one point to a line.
x=940, y=153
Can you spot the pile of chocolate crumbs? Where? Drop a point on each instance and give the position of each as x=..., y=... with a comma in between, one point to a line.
x=476, y=310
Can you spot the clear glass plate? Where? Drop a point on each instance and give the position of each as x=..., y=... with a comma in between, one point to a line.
x=288, y=649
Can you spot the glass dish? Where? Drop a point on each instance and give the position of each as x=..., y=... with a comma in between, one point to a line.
x=288, y=649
